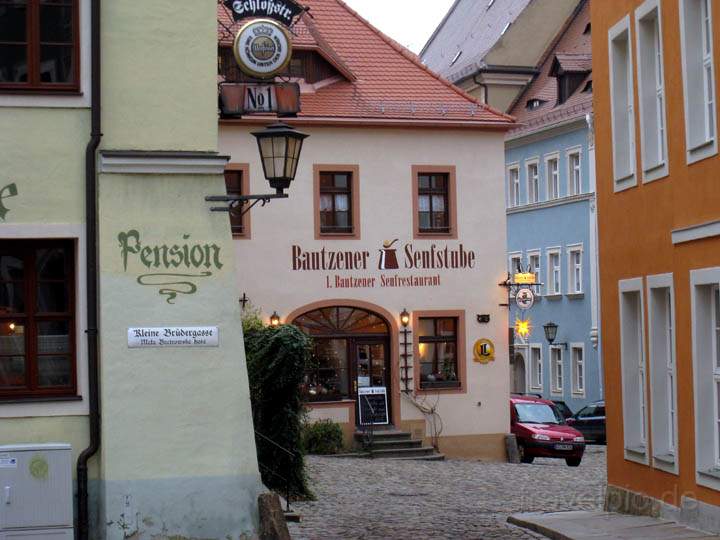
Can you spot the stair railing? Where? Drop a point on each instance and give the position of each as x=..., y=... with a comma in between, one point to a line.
x=293, y=455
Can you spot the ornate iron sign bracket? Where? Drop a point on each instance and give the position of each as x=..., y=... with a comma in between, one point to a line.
x=241, y=205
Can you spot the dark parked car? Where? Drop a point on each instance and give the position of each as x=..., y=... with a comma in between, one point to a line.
x=563, y=408
x=590, y=421
x=541, y=431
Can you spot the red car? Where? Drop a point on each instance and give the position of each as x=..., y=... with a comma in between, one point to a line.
x=541, y=431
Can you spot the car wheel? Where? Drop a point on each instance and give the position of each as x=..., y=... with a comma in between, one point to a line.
x=524, y=458
x=573, y=462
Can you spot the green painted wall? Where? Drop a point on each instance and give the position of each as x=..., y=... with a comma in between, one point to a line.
x=160, y=74
x=65, y=429
x=43, y=154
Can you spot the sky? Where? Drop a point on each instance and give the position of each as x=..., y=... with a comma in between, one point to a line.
x=409, y=22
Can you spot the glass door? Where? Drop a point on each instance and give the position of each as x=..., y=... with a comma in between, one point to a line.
x=371, y=371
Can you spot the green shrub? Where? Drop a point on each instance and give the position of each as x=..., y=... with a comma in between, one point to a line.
x=276, y=359
x=323, y=437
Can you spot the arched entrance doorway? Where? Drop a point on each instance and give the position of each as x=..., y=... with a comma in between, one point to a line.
x=517, y=375
x=351, y=351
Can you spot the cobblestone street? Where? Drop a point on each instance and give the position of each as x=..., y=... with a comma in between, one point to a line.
x=416, y=500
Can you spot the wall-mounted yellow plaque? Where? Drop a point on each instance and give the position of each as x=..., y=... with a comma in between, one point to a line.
x=484, y=351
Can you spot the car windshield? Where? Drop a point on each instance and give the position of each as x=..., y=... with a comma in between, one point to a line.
x=537, y=413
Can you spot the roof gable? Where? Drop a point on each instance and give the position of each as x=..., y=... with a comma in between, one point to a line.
x=389, y=82
x=571, y=54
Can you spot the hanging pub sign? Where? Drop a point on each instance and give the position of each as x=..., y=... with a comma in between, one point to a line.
x=237, y=99
x=262, y=48
x=525, y=298
x=524, y=278
x=283, y=11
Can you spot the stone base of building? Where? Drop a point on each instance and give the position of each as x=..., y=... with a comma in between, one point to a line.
x=691, y=512
x=485, y=447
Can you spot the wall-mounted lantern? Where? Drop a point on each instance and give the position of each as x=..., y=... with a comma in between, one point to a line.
x=280, y=146
x=551, y=333
x=275, y=319
x=406, y=354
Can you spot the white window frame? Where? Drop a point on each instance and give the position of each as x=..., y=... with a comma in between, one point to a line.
x=534, y=162
x=622, y=109
x=552, y=280
x=577, y=388
x=537, y=373
x=513, y=183
x=699, y=146
x=537, y=270
x=572, y=189
x=663, y=371
x=571, y=266
x=706, y=375
x=634, y=374
x=556, y=363
x=651, y=92
x=550, y=179
x=512, y=256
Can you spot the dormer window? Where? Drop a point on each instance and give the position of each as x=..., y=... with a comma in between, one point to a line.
x=533, y=104
x=567, y=84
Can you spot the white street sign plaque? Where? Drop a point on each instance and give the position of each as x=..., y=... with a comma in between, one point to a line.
x=173, y=336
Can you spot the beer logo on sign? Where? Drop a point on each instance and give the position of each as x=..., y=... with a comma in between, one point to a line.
x=262, y=48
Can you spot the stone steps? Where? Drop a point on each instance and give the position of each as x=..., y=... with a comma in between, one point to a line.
x=395, y=444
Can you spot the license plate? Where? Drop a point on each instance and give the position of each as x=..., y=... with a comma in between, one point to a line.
x=563, y=447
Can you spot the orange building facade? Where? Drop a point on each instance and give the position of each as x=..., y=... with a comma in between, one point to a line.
x=658, y=186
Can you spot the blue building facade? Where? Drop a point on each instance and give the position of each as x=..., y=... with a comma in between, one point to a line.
x=556, y=239
x=552, y=226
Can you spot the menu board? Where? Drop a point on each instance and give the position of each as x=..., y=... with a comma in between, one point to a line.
x=373, y=405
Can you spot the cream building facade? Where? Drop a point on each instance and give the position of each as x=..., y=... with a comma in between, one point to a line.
x=394, y=208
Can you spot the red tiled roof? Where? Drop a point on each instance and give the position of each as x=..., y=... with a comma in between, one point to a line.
x=391, y=83
x=573, y=52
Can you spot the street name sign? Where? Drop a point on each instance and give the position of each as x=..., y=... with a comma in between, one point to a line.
x=173, y=336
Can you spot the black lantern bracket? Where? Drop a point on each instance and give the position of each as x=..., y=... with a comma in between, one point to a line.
x=241, y=204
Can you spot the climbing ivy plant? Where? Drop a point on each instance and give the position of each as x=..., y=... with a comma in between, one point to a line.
x=276, y=359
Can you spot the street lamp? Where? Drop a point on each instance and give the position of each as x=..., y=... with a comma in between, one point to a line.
x=280, y=146
x=404, y=318
x=551, y=333
x=406, y=354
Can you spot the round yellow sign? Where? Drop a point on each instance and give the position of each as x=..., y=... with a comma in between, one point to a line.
x=484, y=351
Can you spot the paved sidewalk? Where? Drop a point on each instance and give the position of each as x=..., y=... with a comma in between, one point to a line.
x=583, y=525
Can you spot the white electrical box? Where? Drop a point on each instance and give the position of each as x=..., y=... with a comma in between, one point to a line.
x=36, y=492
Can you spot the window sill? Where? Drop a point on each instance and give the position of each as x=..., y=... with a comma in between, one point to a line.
x=22, y=401
x=554, y=296
x=575, y=296
x=440, y=385
x=713, y=472
x=330, y=235
x=667, y=459
x=637, y=454
x=329, y=402
x=626, y=182
x=74, y=92
x=701, y=151
x=578, y=393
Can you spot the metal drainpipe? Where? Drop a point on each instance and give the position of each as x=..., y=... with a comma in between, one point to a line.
x=92, y=276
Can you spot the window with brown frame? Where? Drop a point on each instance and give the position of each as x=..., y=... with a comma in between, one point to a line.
x=37, y=319
x=234, y=186
x=438, y=347
x=433, y=215
x=39, y=45
x=336, y=202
